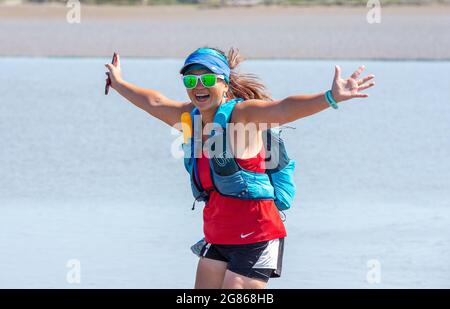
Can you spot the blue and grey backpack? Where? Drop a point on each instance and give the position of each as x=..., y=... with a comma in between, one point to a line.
x=228, y=178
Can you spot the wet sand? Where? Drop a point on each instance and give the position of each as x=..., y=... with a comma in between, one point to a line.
x=259, y=32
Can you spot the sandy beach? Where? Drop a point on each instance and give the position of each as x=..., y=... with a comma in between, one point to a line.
x=259, y=32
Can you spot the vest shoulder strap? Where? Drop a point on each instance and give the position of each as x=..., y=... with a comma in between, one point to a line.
x=223, y=114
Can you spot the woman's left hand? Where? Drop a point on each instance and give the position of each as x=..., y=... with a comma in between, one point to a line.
x=350, y=88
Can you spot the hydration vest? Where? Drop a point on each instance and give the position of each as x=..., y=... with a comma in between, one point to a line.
x=228, y=178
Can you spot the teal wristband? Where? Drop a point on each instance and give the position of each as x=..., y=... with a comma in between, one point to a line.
x=330, y=100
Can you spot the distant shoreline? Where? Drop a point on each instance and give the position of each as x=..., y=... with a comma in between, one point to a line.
x=232, y=3
x=260, y=32
x=11, y=8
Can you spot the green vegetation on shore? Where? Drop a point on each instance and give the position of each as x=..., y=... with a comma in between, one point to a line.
x=248, y=2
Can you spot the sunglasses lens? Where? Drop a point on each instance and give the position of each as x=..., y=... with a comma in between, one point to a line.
x=190, y=81
x=208, y=80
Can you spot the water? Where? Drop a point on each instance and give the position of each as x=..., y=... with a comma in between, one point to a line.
x=91, y=178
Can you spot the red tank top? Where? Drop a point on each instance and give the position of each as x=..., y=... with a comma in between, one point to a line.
x=232, y=221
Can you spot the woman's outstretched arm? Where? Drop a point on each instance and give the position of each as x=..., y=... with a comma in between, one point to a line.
x=299, y=106
x=151, y=101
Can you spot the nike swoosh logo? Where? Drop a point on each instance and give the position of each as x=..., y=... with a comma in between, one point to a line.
x=246, y=235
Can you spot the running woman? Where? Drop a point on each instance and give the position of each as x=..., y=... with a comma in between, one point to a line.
x=244, y=238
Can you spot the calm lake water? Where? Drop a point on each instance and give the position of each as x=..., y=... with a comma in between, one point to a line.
x=91, y=178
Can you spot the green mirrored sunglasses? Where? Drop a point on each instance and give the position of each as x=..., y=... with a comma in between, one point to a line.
x=208, y=80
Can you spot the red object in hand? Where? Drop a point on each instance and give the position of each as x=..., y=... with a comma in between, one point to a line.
x=108, y=81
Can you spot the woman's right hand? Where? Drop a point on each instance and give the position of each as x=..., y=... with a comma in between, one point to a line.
x=115, y=73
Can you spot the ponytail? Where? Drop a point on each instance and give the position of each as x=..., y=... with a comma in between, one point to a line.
x=245, y=86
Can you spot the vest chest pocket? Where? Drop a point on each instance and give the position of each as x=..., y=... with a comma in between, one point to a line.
x=233, y=185
x=245, y=185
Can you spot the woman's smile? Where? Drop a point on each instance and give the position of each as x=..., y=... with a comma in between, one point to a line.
x=202, y=97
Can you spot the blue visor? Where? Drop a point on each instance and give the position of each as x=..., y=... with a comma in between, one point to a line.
x=195, y=67
x=211, y=59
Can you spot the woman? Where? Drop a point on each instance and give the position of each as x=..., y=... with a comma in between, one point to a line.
x=243, y=237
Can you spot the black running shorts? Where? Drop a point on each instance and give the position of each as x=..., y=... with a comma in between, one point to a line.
x=260, y=260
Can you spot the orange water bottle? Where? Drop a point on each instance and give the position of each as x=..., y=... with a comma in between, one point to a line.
x=186, y=126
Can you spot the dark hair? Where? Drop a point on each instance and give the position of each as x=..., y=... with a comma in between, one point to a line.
x=246, y=86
